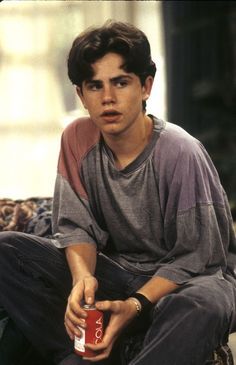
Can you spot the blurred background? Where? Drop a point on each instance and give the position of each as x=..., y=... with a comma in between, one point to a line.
x=37, y=99
x=193, y=44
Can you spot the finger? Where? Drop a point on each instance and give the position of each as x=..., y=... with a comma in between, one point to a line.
x=74, y=305
x=90, y=287
x=107, y=305
x=69, y=330
x=73, y=330
x=70, y=334
x=78, y=321
x=75, y=308
x=99, y=357
x=102, y=355
x=102, y=346
x=74, y=318
x=74, y=326
x=101, y=350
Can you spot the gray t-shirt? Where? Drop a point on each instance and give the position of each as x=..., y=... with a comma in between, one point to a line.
x=164, y=214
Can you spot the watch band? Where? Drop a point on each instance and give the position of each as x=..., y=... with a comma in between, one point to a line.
x=137, y=305
x=145, y=303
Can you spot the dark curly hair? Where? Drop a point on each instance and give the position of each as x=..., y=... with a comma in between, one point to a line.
x=118, y=37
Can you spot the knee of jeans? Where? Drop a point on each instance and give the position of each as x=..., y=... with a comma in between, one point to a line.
x=197, y=309
x=7, y=238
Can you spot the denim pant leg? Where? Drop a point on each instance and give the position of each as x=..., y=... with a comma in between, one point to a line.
x=35, y=283
x=190, y=323
x=116, y=282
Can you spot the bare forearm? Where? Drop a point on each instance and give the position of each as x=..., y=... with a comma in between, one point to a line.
x=157, y=287
x=81, y=260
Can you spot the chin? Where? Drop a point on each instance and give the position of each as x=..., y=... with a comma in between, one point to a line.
x=111, y=130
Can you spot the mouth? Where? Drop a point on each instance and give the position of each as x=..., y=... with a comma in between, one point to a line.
x=110, y=115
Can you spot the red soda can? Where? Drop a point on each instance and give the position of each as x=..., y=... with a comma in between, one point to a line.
x=92, y=333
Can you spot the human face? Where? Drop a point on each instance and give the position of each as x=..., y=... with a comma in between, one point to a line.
x=113, y=97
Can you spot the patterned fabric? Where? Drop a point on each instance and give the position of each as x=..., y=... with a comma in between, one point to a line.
x=30, y=216
x=222, y=356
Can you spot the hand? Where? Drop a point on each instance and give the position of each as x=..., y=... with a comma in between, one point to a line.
x=122, y=313
x=75, y=315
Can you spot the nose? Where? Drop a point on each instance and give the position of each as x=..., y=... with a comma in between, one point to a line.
x=108, y=96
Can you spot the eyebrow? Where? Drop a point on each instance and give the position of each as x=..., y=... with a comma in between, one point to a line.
x=117, y=78
x=113, y=79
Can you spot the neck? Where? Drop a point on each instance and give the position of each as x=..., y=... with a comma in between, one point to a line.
x=129, y=145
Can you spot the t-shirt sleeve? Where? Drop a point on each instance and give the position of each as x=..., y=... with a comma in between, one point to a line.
x=197, y=221
x=73, y=221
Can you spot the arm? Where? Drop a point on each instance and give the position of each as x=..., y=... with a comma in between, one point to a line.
x=82, y=261
x=75, y=228
x=123, y=312
x=156, y=288
x=196, y=223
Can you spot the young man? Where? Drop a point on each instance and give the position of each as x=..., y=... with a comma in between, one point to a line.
x=140, y=216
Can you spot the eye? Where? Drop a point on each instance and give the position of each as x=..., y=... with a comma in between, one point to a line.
x=93, y=86
x=121, y=83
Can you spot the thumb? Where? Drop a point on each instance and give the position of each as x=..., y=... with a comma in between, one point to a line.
x=90, y=287
x=108, y=305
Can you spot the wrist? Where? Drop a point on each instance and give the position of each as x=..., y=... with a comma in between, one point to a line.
x=80, y=278
x=136, y=304
x=143, y=304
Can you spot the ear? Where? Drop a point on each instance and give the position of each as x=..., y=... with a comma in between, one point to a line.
x=80, y=94
x=147, y=87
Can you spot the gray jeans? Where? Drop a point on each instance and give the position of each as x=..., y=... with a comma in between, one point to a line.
x=185, y=327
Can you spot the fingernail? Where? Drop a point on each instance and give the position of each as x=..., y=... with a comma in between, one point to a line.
x=83, y=324
x=90, y=300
